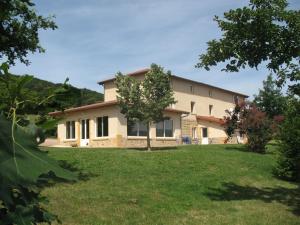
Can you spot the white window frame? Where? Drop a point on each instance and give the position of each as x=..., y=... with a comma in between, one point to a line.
x=70, y=130
x=164, y=136
x=96, y=127
x=236, y=97
x=193, y=105
x=210, y=109
x=138, y=130
x=192, y=89
x=194, y=133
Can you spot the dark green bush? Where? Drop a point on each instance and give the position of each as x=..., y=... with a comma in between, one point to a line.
x=288, y=163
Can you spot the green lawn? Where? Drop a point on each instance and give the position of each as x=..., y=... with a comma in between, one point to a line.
x=214, y=184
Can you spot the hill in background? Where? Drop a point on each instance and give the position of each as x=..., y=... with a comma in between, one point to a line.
x=80, y=96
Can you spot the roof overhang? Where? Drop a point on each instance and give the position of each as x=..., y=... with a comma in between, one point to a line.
x=83, y=108
x=135, y=73
x=101, y=105
x=211, y=119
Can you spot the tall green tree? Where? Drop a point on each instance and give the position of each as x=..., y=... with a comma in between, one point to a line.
x=145, y=100
x=288, y=166
x=265, y=32
x=19, y=26
x=270, y=98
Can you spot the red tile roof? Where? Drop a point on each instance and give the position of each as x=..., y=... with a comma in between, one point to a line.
x=85, y=107
x=135, y=73
x=211, y=119
x=100, y=105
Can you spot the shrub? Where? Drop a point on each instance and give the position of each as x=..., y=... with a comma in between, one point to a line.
x=288, y=162
x=252, y=122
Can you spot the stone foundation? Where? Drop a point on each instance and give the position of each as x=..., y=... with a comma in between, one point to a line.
x=119, y=142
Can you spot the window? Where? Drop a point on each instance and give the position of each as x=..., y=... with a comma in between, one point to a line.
x=210, y=93
x=164, y=128
x=136, y=128
x=85, y=129
x=204, y=132
x=70, y=130
x=210, y=109
x=236, y=99
x=192, y=107
x=192, y=89
x=102, y=126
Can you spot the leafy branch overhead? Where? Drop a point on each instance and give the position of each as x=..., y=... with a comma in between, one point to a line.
x=265, y=31
x=19, y=27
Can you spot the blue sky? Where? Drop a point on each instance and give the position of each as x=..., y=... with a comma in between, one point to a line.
x=97, y=38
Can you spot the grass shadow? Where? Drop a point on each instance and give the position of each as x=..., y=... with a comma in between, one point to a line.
x=50, y=179
x=237, y=147
x=233, y=192
x=270, y=149
x=155, y=148
x=81, y=175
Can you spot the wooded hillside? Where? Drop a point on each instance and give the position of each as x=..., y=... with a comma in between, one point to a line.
x=41, y=89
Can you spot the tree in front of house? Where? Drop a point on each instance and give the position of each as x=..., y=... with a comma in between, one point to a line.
x=145, y=101
x=270, y=99
x=247, y=119
x=267, y=32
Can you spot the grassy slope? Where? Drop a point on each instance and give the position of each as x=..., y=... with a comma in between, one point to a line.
x=193, y=185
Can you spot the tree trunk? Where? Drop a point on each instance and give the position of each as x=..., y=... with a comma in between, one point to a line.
x=148, y=137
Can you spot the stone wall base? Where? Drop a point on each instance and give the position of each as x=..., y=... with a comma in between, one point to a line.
x=142, y=143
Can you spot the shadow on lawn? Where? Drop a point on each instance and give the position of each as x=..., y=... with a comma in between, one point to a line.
x=81, y=175
x=50, y=179
x=155, y=148
x=243, y=148
x=233, y=192
x=237, y=147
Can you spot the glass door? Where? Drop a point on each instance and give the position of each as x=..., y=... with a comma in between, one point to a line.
x=85, y=132
x=204, y=136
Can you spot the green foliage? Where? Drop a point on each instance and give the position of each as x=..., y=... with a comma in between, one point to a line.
x=270, y=99
x=252, y=122
x=72, y=98
x=288, y=163
x=265, y=31
x=145, y=100
x=39, y=98
x=23, y=167
x=19, y=27
x=40, y=89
